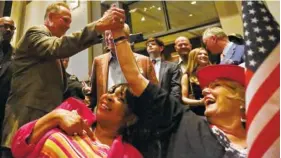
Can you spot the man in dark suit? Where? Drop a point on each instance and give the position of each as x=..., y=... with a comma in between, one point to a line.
x=106, y=71
x=167, y=73
x=39, y=79
x=74, y=86
x=7, y=28
x=217, y=42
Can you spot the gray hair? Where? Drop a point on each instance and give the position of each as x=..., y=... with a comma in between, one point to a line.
x=214, y=31
x=55, y=8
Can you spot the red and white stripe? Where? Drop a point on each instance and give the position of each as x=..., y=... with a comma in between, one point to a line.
x=263, y=108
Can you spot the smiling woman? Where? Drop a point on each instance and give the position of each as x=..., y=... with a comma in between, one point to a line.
x=182, y=133
x=64, y=132
x=222, y=97
x=191, y=91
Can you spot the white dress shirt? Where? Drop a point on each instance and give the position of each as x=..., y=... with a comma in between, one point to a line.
x=115, y=74
x=157, y=66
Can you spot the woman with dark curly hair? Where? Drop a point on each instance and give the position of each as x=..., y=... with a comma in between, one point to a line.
x=65, y=131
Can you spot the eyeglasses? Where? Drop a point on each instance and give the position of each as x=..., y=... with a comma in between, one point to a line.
x=6, y=26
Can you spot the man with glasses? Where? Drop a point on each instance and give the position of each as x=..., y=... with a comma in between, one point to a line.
x=6, y=50
x=217, y=42
x=39, y=79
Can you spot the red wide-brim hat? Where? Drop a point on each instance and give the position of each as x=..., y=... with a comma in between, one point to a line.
x=210, y=73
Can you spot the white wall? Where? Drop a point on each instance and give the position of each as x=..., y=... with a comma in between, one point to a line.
x=230, y=18
x=78, y=64
x=274, y=8
x=96, y=14
x=35, y=11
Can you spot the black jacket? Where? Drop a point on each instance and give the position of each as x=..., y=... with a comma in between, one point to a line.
x=166, y=128
x=169, y=78
x=5, y=79
x=74, y=87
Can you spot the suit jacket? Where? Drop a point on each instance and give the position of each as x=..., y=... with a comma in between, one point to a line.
x=169, y=78
x=5, y=81
x=38, y=80
x=99, y=76
x=74, y=87
x=5, y=75
x=235, y=55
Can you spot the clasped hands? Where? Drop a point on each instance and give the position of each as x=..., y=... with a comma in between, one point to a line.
x=113, y=19
x=70, y=121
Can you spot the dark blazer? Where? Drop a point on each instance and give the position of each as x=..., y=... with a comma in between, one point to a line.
x=169, y=78
x=39, y=79
x=5, y=81
x=5, y=75
x=99, y=74
x=182, y=133
x=74, y=87
x=235, y=55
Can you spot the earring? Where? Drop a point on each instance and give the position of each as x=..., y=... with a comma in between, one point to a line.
x=243, y=110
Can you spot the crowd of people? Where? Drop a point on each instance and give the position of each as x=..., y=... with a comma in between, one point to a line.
x=135, y=106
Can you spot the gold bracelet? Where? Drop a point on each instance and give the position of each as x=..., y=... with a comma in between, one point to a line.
x=121, y=41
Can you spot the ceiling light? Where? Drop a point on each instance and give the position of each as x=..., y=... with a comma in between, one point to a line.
x=143, y=18
x=159, y=8
x=190, y=14
x=145, y=9
x=133, y=10
x=193, y=2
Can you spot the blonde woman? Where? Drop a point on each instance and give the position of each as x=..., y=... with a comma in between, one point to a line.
x=191, y=91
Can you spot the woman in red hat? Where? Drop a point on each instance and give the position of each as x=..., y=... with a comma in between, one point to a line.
x=183, y=134
x=191, y=91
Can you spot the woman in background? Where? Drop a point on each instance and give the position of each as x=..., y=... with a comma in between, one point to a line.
x=191, y=91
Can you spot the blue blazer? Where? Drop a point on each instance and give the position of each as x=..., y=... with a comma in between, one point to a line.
x=235, y=55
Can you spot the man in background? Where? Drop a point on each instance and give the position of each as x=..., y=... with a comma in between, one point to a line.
x=74, y=86
x=183, y=47
x=106, y=70
x=167, y=73
x=217, y=42
x=7, y=28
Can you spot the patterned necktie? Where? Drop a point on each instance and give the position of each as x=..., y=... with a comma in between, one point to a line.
x=153, y=61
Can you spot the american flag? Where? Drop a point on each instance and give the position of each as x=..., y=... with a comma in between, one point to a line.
x=262, y=52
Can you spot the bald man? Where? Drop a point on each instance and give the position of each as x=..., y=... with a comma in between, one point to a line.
x=183, y=47
x=7, y=28
x=106, y=70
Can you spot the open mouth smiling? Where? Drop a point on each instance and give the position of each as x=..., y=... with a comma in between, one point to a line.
x=209, y=101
